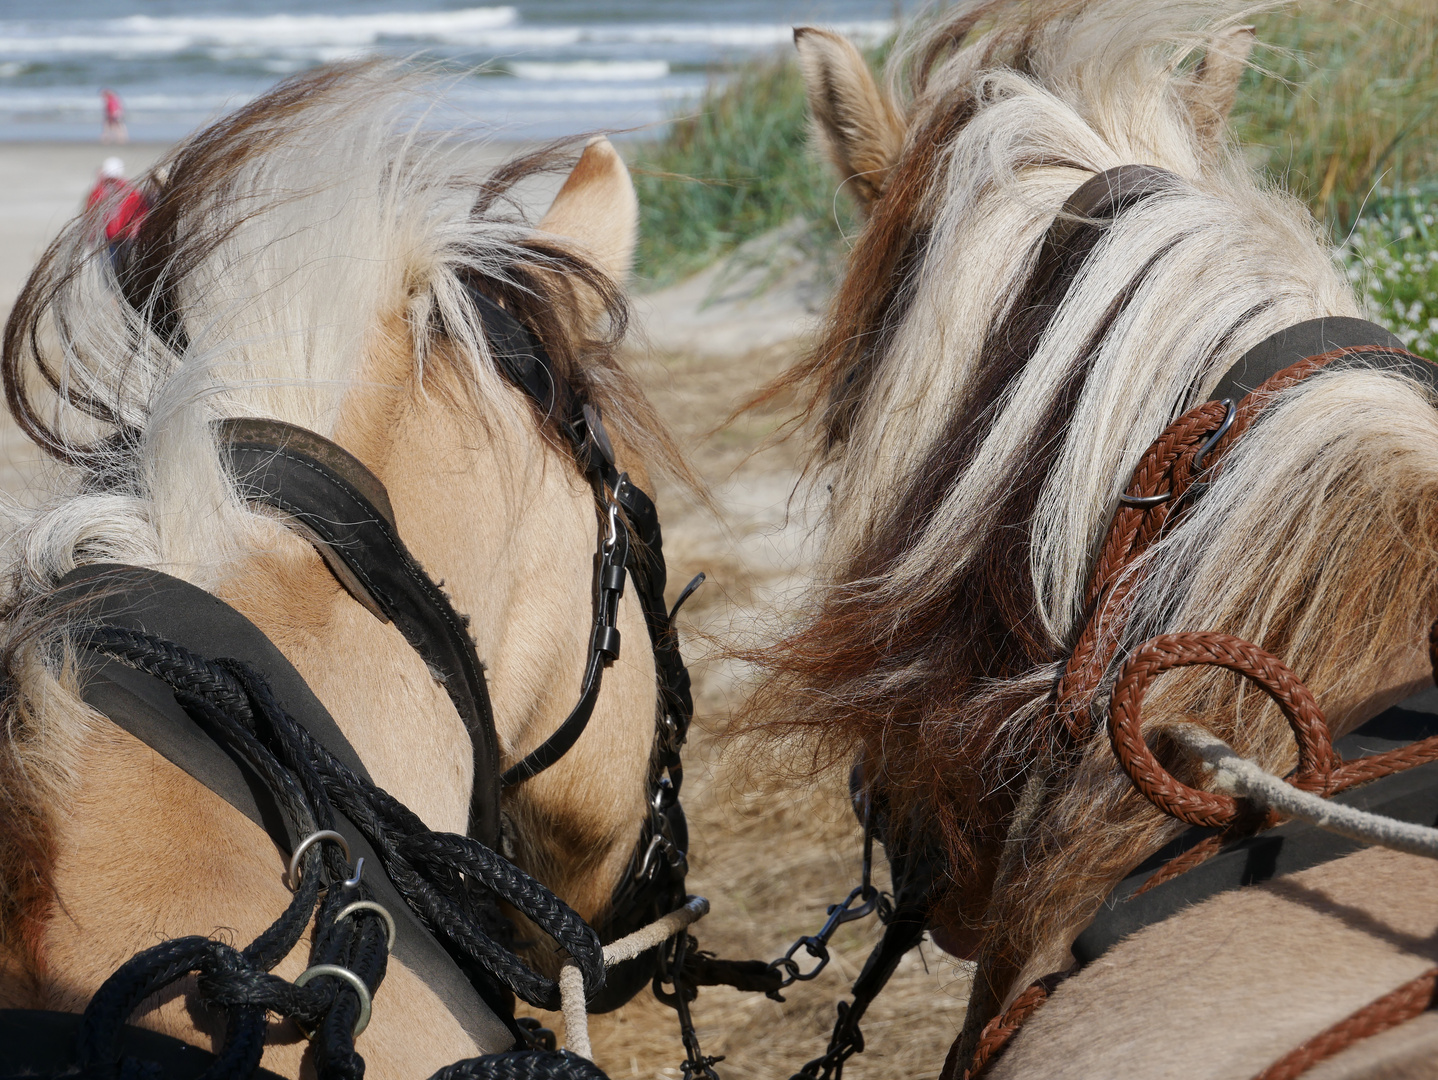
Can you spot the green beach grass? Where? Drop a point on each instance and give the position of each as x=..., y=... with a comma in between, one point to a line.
x=737, y=166
x=1341, y=109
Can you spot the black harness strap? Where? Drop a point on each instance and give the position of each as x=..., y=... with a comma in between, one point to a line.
x=1411, y=795
x=49, y=1040
x=528, y=365
x=632, y=547
x=152, y=602
x=342, y=505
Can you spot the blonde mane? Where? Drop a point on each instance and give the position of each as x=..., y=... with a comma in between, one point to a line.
x=253, y=288
x=323, y=224
x=978, y=428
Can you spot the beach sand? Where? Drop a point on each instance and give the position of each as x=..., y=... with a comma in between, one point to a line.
x=43, y=185
x=768, y=857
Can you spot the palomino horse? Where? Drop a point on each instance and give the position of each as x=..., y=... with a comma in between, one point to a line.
x=1005, y=344
x=319, y=262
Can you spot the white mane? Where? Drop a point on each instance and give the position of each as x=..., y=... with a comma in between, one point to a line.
x=306, y=225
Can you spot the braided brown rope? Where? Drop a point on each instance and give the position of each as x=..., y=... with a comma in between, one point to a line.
x=1167, y=467
x=1316, y=759
x=999, y=1030
x=1410, y=1000
x=1245, y=826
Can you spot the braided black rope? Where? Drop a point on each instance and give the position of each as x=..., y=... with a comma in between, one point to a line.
x=434, y=873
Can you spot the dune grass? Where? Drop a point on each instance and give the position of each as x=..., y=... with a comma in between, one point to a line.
x=1342, y=109
x=736, y=166
x=1343, y=101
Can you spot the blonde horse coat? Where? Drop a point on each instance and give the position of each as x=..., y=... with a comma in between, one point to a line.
x=974, y=472
x=312, y=250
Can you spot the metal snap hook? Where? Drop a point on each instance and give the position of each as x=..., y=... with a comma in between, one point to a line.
x=369, y=905
x=292, y=876
x=353, y=883
x=1212, y=441
x=361, y=1021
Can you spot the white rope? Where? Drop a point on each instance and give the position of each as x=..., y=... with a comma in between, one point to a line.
x=571, y=982
x=1242, y=778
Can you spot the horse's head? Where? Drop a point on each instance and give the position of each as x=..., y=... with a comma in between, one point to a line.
x=991, y=370
x=318, y=258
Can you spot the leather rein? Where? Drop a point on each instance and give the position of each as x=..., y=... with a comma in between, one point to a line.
x=1171, y=475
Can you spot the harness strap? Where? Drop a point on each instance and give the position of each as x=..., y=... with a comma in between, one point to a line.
x=1411, y=795
x=149, y=601
x=654, y=882
x=41, y=1043
x=528, y=365
x=344, y=509
x=1316, y=337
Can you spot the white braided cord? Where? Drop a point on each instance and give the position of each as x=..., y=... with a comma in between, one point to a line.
x=1241, y=778
x=571, y=982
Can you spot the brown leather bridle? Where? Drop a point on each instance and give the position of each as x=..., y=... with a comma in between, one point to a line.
x=1170, y=477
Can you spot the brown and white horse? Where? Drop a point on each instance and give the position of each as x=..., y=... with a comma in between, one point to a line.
x=314, y=248
x=979, y=416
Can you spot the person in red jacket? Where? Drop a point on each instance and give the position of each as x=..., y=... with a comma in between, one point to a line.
x=114, y=130
x=124, y=204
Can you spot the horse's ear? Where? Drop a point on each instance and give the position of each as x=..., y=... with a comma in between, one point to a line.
x=597, y=210
x=1214, y=88
x=857, y=123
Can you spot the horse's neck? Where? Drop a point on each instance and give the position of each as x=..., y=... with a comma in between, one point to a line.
x=508, y=529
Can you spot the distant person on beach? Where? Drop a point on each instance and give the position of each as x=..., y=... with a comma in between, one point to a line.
x=114, y=130
x=126, y=203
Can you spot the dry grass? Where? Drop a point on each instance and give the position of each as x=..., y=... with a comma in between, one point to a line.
x=769, y=856
x=1352, y=103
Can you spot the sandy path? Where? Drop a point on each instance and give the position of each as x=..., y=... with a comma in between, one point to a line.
x=769, y=859
x=43, y=186
x=769, y=856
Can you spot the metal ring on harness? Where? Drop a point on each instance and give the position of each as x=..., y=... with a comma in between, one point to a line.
x=361, y=1021
x=292, y=875
x=1148, y=502
x=378, y=909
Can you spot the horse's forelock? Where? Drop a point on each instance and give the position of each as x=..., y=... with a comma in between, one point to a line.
x=279, y=240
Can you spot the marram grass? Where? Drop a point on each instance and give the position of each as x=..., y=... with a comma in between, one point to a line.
x=737, y=165
x=1341, y=108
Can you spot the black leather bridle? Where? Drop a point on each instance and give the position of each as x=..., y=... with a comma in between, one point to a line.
x=344, y=511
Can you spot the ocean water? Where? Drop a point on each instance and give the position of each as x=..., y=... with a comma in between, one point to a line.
x=533, y=69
